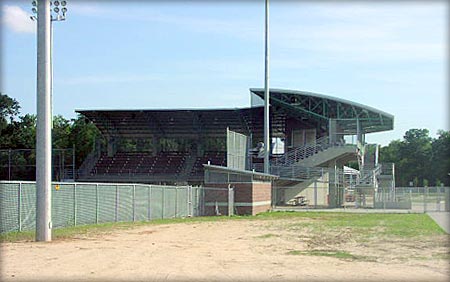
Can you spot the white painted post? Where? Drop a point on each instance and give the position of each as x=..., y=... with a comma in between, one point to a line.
x=230, y=200
x=134, y=202
x=116, y=211
x=19, y=207
x=315, y=194
x=96, y=203
x=267, y=142
x=176, y=201
x=148, y=203
x=75, y=204
x=43, y=125
x=162, y=204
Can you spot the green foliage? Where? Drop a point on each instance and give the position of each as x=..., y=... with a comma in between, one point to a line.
x=61, y=133
x=83, y=135
x=419, y=158
x=19, y=132
x=9, y=108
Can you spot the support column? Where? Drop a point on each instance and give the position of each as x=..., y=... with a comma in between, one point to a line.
x=156, y=148
x=332, y=131
x=111, y=146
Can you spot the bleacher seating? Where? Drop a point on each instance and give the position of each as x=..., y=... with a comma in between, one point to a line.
x=211, y=157
x=123, y=163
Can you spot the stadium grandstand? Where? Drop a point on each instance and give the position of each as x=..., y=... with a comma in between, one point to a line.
x=310, y=132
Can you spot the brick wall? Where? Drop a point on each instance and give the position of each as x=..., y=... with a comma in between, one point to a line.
x=249, y=198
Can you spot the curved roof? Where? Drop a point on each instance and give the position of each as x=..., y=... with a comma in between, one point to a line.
x=324, y=108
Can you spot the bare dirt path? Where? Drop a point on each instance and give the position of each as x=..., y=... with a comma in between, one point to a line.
x=239, y=250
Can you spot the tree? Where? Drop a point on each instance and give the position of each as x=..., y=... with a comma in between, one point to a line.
x=416, y=155
x=9, y=108
x=419, y=158
x=19, y=134
x=441, y=158
x=83, y=135
x=61, y=133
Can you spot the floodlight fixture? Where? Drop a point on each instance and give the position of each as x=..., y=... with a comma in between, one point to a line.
x=55, y=12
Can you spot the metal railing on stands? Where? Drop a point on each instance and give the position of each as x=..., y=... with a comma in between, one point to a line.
x=302, y=152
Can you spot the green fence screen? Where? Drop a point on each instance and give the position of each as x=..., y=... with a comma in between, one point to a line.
x=91, y=203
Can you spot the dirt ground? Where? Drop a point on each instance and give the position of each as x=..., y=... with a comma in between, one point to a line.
x=239, y=250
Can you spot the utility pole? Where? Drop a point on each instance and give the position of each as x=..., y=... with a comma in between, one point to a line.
x=267, y=143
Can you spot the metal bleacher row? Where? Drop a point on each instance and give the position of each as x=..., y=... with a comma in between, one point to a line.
x=167, y=163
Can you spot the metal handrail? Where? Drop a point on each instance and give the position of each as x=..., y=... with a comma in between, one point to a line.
x=302, y=152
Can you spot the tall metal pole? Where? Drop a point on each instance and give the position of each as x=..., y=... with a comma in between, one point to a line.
x=43, y=132
x=267, y=142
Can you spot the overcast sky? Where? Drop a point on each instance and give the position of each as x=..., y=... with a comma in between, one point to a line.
x=151, y=54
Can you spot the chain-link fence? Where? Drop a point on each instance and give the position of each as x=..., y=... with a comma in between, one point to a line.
x=20, y=164
x=91, y=203
x=321, y=194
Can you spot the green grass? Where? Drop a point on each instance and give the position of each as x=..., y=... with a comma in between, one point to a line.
x=402, y=225
x=92, y=229
x=330, y=253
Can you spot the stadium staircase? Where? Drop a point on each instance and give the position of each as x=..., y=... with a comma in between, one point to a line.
x=300, y=167
x=316, y=154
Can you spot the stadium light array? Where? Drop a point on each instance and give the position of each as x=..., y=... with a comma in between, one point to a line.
x=58, y=13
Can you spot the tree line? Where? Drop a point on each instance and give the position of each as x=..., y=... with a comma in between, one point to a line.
x=19, y=131
x=419, y=159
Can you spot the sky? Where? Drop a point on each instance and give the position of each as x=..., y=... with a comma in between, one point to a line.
x=199, y=54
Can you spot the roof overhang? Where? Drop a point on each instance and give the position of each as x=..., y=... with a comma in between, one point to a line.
x=324, y=108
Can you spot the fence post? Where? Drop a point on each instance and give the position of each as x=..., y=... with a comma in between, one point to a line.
x=75, y=204
x=116, y=212
x=148, y=203
x=424, y=199
x=190, y=210
x=162, y=204
x=19, y=207
x=176, y=201
x=315, y=194
x=134, y=202
x=9, y=164
x=96, y=203
x=447, y=199
x=230, y=200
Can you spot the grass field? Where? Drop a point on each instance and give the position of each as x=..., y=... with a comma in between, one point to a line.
x=403, y=225
x=270, y=246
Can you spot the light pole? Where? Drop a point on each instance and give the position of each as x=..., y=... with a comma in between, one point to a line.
x=267, y=142
x=45, y=14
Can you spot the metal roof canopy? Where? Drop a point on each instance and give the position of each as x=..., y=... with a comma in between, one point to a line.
x=188, y=123
x=309, y=108
x=323, y=108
